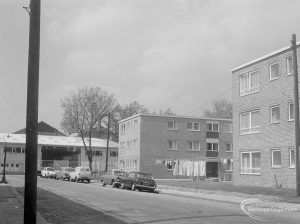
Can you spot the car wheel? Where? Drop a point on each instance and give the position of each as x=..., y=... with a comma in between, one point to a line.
x=88, y=181
x=133, y=187
x=139, y=189
x=113, y=184
x=122, y=185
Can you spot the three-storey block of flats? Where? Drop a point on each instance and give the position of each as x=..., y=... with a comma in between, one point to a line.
x=263, y=121
x=169, y=146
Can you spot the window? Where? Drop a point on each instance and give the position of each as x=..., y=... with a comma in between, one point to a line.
x=193, y=145
x=249, y=122
x=172, y=125
x=276, y=158
x=23, y=150
x=212, y=145
x=274, y=71
x=123, y=128
x=98, y=153
x=228, y=164
x=274, y=114
x=211, y=126
x=122, y=146
x=250, y=163
x=18, y=150
x=289, y=65
x=249, y=83
x=135, y=123
x=122, y=164
x=12, y=165
x=291, y=111
x=193, y=126
x=9, y=149
x=113, y=154
x=169, y=165
x=134, y=144
x=128, y=145
x=17, y=165
x=228, y=128
x=135, y=164
x=172, y=144
x=292, y=158
x=228, y=147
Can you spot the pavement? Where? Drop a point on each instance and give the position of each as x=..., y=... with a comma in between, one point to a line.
x=12, y=206
x=11, y=202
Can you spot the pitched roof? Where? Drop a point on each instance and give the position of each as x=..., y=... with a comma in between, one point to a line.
x=43, y=129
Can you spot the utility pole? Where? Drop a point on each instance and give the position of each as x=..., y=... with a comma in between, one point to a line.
x=296, y=103
x=30, y=193
x=3, y=181
x=107, y=143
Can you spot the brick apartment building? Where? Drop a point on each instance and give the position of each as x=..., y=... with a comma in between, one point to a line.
x=169, y=146
x=263, y=121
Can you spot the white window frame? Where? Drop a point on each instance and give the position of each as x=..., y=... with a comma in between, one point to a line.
x=193, y=126
x=251, y=129
x=174, y=125
x=250, y=89
x=213, y=142
x=272, y=162
x=270, y=69
x=250, y=168
x=290, y=157
x=193, y=145
x=287, y=65
x=290, y=112
x=271, y=117
x=174, y=145
x=212, y=126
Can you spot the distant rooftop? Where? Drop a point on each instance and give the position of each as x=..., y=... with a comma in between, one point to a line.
x=174, y=116
x=264, y=57
x=43, y=129
x=55, y=140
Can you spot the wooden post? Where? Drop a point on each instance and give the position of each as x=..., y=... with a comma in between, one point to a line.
x=296, y=105
x=30, y=193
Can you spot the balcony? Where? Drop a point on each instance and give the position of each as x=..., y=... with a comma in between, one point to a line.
x=212, y=134
x=210, y=153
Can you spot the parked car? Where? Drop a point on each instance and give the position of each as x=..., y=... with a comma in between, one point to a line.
x=113, y=177
x=64, y=173
x=48, y=172
x=140, y=181
x=81, y=174
x=39, y=171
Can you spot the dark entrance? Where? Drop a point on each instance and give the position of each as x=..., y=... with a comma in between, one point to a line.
x=68, y=156
x=212, y=169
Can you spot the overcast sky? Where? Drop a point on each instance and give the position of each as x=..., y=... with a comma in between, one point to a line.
x=163, y=53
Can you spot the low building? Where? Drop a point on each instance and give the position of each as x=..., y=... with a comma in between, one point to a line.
x=56, y=151
x=169, y=146
x=263, y=121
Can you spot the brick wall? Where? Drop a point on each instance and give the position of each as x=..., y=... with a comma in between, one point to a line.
x=272, y=136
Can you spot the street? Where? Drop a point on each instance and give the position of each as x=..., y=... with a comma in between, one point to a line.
x=145, y=207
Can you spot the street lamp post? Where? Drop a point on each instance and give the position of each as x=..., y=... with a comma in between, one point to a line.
x=3, y=181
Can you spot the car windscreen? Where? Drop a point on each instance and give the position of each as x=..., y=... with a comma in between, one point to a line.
x=84, y=170
x=50, y=169
x=69, y=170
x=144, y=175
x=120, y=173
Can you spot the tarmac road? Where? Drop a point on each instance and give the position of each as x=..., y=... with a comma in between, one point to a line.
x=145, y=207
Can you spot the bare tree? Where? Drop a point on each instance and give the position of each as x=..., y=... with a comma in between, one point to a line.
x=220, y=109
x=83, y=111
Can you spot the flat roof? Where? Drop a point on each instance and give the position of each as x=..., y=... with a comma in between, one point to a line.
x=55, y=140
x=264, y=57
x=174, y=116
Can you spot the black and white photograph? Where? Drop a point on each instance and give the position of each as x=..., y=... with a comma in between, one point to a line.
x=149, y=111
